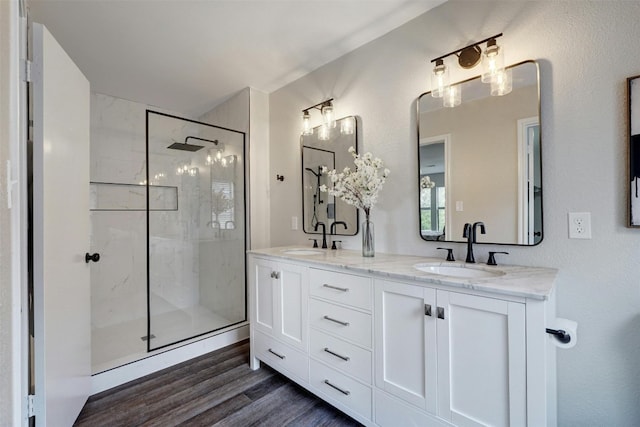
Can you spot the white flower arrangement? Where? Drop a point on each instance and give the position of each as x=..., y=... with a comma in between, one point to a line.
x=220, y=202
x=426, y=182
x=359, y=187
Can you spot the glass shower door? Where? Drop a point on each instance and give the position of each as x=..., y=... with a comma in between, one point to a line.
x=196, y=229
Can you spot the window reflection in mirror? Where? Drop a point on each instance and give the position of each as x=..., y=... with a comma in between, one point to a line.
x=480, y=161
x=317, y=152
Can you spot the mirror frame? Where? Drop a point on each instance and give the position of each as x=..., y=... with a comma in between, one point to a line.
x=356, y=130
x=530, y=61
x=634, y=151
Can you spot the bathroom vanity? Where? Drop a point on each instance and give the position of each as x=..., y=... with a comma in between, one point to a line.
x=407, y=341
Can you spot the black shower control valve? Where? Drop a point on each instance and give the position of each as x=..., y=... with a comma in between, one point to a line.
x=449, y=254
x=91, y=257
x=315, y=242
x=333, y=244
x=492, y=258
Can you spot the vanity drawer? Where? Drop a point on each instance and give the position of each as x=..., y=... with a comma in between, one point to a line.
x=281, y=356
x=340, y=388
x=343, y=322
x=341, y=355
x=340, y=287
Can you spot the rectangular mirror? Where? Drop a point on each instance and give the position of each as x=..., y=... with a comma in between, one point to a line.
x=633, y=88
x=481, y=161
x=331, y=150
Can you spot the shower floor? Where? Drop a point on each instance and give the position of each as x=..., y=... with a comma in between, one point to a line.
x=122, y=343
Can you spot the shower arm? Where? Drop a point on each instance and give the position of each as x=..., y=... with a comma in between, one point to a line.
x=215, y=141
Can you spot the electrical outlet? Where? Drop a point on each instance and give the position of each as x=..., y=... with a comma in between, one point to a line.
x=579, y=225
x=294, y=222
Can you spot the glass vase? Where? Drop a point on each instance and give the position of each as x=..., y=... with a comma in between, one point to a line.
x=368, y=239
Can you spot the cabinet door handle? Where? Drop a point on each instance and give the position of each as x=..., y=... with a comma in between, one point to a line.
x=275, y=275
x=340, y=322
x=276, y=354
x=440, y=312
x=345, y=392
x=339, y=356
x=427, y=310
x=326, y=285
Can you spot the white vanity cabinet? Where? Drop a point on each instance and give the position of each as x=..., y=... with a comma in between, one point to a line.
x=482, y=371
x=390, y=348
x=279, y=301
x=341, y=331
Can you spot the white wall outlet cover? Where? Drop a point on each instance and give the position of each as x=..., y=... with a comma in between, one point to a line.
x=459, y=206
x=294, y=222
x=579, y=225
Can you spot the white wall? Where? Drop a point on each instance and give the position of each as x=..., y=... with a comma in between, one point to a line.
x=586, y=51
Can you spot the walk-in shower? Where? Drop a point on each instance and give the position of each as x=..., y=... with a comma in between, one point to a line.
x=168, y=218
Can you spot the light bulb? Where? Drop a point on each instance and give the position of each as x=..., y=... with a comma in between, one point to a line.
x=452, y=96
x=439, y=79
x=219, y=155
x=492, y=61
x=306, y=123
x=209, y=158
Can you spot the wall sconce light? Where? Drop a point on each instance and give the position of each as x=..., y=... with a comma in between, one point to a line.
x=502, y=83
x=328, y=117
x=439, y=79
x=468, y=57
x=452, y=96
x=492, y=61
x=324, y=132
x=347, y=126
x=306, y=123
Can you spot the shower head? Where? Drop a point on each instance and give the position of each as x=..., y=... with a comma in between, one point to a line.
x=185, y=146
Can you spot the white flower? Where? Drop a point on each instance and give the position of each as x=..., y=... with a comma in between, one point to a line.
x=359, y=187
x=426, y=182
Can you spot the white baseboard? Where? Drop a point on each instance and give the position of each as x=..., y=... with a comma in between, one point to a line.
x=156, y=362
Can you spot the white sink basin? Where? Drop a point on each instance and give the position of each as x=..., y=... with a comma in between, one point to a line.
x=458, y=270
x=302, y=252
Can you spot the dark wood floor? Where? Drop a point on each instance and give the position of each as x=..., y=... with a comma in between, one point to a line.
x=217, y=389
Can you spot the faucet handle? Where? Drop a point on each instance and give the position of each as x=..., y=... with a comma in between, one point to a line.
x=315, y=242
x=449, y=254
x=492, y=258
x=333, y=244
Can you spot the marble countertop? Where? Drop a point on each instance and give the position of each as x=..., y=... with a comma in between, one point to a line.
x=519, y=281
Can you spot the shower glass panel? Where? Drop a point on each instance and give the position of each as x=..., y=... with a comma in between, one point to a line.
x=196, y=253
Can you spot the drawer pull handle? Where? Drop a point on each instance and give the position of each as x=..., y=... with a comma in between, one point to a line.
x=326, y=285
x=345, y=392
x=427, y=309
x=340, y=322
x=339, y=356
x=276, y=354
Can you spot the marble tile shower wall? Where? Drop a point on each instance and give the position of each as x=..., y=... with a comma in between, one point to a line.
x=118, y=281
x=192, y=262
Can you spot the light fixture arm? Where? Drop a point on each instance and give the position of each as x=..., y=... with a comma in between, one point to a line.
x=456, y=52
x=319, y=105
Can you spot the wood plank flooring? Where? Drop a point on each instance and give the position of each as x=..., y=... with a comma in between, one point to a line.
x=217, y=389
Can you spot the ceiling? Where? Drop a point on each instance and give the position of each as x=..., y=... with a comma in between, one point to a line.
x=190, y=55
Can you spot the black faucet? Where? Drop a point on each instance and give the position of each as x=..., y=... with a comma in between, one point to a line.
x=470, y=234
x=324, y=234
x=334, y=224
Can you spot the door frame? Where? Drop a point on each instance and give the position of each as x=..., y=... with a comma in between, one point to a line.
x=14, y=169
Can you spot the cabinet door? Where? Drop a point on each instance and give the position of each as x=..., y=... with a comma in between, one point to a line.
x=405, y=334
x=291, y=305
x=481, y=361
x=262, y=282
